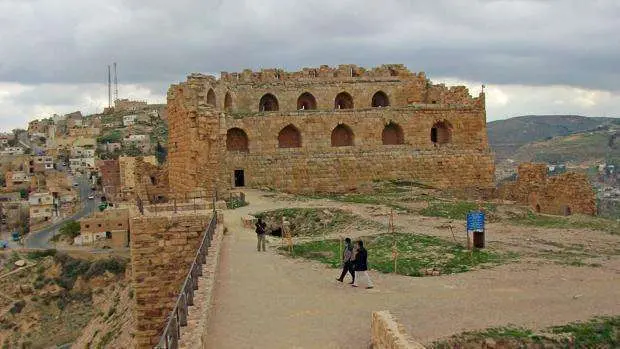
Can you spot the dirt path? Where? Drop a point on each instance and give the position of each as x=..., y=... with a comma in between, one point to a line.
x=264, y=300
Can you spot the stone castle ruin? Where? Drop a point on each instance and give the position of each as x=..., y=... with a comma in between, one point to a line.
x=325, y=130
x=563, y=194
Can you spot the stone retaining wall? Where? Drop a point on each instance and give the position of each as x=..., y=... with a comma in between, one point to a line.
x=387, y=333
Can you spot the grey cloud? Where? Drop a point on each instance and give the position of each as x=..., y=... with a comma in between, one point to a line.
x=519, y=41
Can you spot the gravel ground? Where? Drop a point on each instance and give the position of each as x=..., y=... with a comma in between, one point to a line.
x=265, y=300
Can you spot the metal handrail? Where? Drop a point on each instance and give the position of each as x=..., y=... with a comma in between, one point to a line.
x=178, y=316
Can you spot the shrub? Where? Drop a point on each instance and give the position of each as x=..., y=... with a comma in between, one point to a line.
x=235, y=202
x=70, y=229
x=113, y=265
x=40, y=254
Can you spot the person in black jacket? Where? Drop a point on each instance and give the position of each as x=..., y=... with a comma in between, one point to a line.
x=260, y=234
x=361, y=265
x=347, y=261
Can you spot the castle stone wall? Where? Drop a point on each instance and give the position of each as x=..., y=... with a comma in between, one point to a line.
x=206, y=146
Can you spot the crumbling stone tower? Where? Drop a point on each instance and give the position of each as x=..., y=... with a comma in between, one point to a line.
x=325, y=130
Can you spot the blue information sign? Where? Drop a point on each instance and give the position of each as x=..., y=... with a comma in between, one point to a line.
x=475, y=221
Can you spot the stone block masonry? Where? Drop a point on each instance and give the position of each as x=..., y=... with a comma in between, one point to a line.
x=162, y=250
x=325, y=130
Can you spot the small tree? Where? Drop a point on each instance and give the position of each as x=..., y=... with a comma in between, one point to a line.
x=71, y=229
x=133, y=150
x=161, y=153
x=23, y=193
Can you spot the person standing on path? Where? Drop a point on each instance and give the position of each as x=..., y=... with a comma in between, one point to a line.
x=347, y=261
x=361, y=265
x=260, y=234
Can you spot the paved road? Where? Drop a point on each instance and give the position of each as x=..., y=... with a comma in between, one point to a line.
x=41, y=238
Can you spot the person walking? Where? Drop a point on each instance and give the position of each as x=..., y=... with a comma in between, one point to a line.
x=347, y=261
x=361, y=265
x=260, y=234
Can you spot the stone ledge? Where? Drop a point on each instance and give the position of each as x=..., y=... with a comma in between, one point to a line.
x=387, y=333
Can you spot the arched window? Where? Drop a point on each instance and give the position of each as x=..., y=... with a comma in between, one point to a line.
x=343, y=101
x=380, y=99
x=342, y=136
x=306, y=101
x=227, y=101
x=236, y=140
x=211, y=98
x=268, y=102
x=392, y=134
x=441, y=133
x=289, y=137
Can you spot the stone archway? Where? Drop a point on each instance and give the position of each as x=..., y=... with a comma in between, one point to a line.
x=380, y=99
x=441, y=132
x=343, y=100
x=392, y=134
x=237, y=140
x=306, y=101
x=211, y=98
x=268, y=102
x=228, y=101
x=289, y=137
x=342, y=136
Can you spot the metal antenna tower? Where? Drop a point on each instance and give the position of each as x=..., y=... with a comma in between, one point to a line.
x=109, y=88
x=115, y=84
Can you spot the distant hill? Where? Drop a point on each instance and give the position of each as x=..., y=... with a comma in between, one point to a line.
x=507, y=136
x=577, y=148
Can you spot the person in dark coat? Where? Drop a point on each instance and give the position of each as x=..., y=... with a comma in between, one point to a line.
x=361, y=265
x=347, y=261
x=260, y=234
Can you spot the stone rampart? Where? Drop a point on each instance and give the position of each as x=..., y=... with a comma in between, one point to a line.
x=162, y=250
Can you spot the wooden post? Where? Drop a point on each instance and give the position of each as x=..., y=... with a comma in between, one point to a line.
x=340, y=247
x=282, y=233
x=452, y=231
x=395, y=256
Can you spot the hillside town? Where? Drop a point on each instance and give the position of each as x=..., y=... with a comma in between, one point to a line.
x=68, y=167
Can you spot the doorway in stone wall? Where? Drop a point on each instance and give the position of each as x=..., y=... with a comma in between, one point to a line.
x=239, y=178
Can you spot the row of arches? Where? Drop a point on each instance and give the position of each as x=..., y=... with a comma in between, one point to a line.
x=305, y=101
x=211, y=99
x=342, y=136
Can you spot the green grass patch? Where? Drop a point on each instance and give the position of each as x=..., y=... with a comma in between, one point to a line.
x=390, y=193
x=235, y=202
x=314, y=221
x=454, y=210
x=571, y=222
x=600, y=332
x=415, y=253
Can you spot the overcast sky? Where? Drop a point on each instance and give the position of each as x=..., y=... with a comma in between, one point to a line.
x=535, y=56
